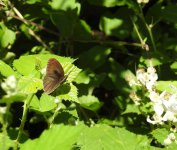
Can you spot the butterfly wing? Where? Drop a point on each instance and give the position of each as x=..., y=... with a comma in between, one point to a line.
x=54, y=76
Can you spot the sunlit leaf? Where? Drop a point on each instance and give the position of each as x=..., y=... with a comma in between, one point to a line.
x=160, y=134
x=6, y=70
x=45, y=103
x=58, y=137
x=174, y=67
x=26, y=64
x=5, y=142
x=64, y=4
x=29, y=85
x=13, y=98
x=108, y=3
x=104, y=137
x=7, y=36
x=116, y=24
x=83, y=77
x=168, y=86
x=68, y=92
x=90, y=102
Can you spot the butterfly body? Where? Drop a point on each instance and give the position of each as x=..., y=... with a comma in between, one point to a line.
x=54, y=76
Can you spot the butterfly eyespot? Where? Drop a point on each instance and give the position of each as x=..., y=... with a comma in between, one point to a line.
x=56, y=72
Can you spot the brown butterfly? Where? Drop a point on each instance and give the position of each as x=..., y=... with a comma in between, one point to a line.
x=54, y=76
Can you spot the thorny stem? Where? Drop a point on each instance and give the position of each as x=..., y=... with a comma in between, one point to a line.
x=25, y=111
x=35, y=24
x=20, y=16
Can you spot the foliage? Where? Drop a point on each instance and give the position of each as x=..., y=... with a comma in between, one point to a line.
x=120, y=61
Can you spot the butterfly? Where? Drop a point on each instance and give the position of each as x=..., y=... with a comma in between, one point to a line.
x=54, y=76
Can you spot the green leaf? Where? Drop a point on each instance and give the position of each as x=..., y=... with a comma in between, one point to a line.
x=35, y=103
x=83, y=77
x=28, y=85
x=155, y=12
x=169, y=13
x=25, y=29
x=120, y=76
x=168, y=86
x=5, y=142
x=97, y=57
x=174, y=67
x=82, y=31
x=58, y=137
x=131, y=108
x=110, y=25
x=7, y=36
x=13, y=98
x=113, y=3
x=117, y=25
x=64, y=5
x=25, y=65
x=46, y=103
x=160, y=134
x=65, y=22
x=148, y=62
x=104, y=137
x=108, y=3
x=68, y=92
x=72, y=72
x=172, y=146
x=90, y=102
x=169, y=45
x=6, y=70
x=94, y=80
x=32, y=1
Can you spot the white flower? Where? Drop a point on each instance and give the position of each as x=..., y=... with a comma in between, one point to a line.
x=171, y=104
x=170, y=138
x=9, y=85
x=154, y=97
x=132, y=82
x=169, y=116
x=149, y=85
x=167, y=141
x=142, y=76
x=148, y=78
x=156, y=119
x=152, y=77
x=158, y=108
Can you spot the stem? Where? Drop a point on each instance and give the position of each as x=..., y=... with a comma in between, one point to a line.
x=149, y=29
x=136, y=29
x=4, y=127
x=25, y=111
x=151, y=37
x=20, y=17
x=55, y=114
x=34, y=24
